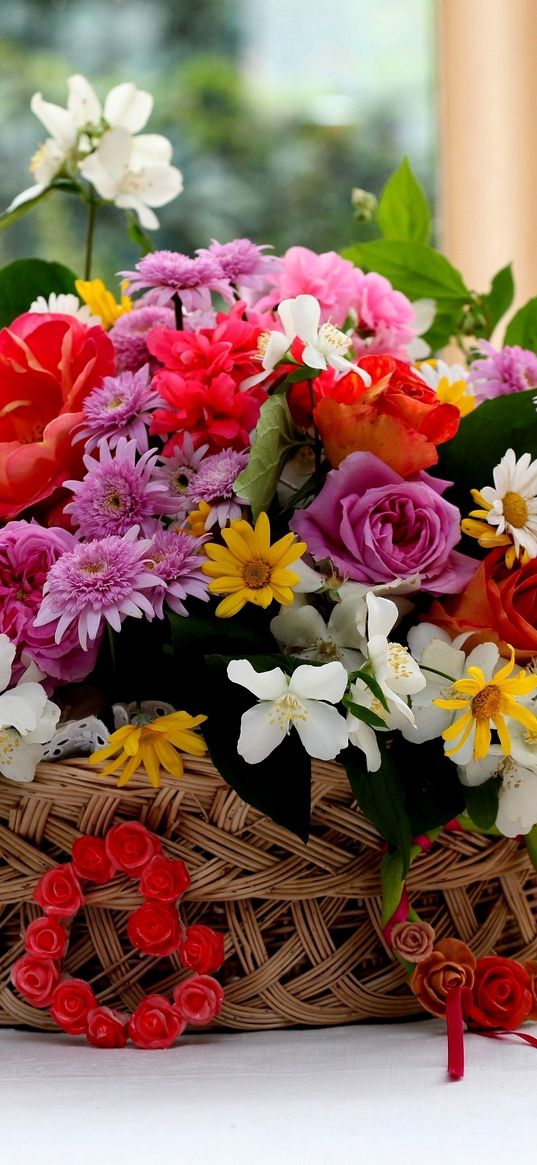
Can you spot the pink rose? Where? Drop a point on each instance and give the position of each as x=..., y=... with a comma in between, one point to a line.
x=414, y=941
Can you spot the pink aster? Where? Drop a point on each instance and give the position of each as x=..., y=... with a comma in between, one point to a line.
x=169, y=273
x=214, y=483
x=129, y=335
x=177, y=559
x=122, y=407
x=118, y=492
x=176, y=472
x=96, y=582
x=513, y=369
x=243, y=262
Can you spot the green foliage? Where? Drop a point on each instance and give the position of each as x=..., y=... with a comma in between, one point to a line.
x=414, y=268
x=138, y=236
x=11, y=216
x=523, y=327
x=500, y=297
x=392, y=878
x=482, y=802
x=403, y=211
x=274, y=438
x=24, y=279
x=381, y=797
x=433, y=792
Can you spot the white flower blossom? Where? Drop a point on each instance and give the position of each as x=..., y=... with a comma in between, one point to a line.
x=27, y=720
x=324, y=346
x=134, y=173
x=517, y=794
x=302, y=631
x=64, y=304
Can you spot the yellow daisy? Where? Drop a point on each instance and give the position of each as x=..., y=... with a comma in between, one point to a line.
x=196, y=521
x=101, y=301
x=484, y=702
x=450, y=383
x=152, y=746
x=248, y=569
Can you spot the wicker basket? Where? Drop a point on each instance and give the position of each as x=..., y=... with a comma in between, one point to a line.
x=304, y=942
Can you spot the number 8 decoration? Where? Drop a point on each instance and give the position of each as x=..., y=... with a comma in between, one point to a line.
x=154, y=928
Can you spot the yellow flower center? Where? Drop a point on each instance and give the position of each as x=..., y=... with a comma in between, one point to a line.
x=398, y=660
x=92, y=568
x=262, y=344
x=256, y=574
x=115, y=402
x=487, y=703
x=286, y=709
x=515, y=510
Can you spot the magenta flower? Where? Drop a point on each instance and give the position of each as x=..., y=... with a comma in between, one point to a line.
x=98, y=582
x=385, y=318
x=27, y=553
x=214, y=483
x=118, y=492
x=329, y=278
x=129, y=335
x=175, y=474
x=513, y=369
x=170, y=273
x=122, y=407
x=242, y=262
x=375, y=526
x=177, y=559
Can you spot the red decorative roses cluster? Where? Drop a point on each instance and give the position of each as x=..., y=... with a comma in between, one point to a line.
x=155, y=928
x=497, y=993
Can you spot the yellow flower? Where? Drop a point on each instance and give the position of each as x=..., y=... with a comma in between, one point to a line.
x=484, y=702
x=152, y=746
x=196, y=522
x=102, y=302
x=477, y=526
x=456, y=394
x=248, y=569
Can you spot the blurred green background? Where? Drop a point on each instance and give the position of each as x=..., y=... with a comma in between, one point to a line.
x=275, y=108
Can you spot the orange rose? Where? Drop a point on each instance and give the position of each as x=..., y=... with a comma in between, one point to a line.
x=451, y=965
x=399, y=418
x=498, y=605
x=48, y=365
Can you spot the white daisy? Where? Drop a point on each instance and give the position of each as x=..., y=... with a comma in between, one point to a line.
x=511, y=504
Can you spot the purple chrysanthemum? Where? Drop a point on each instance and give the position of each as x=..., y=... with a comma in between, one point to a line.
x=96, y=581
x=176, y=472
x=129, y=335
x=121, y=407
x=513, y=369
x=169, y=273
x=117, y=492
x=242, y=261
x=214, y=483
x=176, y=558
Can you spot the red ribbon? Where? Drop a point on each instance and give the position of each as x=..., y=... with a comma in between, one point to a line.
x=455, y=1034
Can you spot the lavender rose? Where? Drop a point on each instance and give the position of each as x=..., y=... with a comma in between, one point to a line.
x=375, y=526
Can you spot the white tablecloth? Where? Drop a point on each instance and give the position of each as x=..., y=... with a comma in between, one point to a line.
x=370, y=1094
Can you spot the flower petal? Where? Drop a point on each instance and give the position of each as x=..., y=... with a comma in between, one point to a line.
x=267, y=685
x=324, y=731
x=260, y=733
x=327, y=682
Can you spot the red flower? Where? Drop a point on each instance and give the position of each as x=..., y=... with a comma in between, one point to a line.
x=130, y=846
x=59, y=892
x=91, y=860
x=155, y=1023
x=199, y=999
x=48, y=365
x=35, y=979
x=155, y=929
x=106, y=1028
x=71, y=1001
x=202, y=949
x=45, y=938
x=164, y=879
x=502, y=995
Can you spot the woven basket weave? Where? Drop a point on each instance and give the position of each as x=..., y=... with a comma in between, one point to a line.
x=304, y=942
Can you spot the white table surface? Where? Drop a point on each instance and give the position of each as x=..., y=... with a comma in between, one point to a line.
x=371, y=1094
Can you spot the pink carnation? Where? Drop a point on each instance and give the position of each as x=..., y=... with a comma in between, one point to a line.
x=386, y=321
x=331, y=279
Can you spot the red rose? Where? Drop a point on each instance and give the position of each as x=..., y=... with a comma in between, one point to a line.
x=130, y=846
x=202, y=949
x=91, y=860
x=106, y=1028
x=155, y=928
x=45, y=938
x=35, y=979
x=59, y=892
x=164, y=879
x=155, y=1023
x=71, y=1001
x=199, y=999
x=498, y=605
x=502, y=996
x=48, y=365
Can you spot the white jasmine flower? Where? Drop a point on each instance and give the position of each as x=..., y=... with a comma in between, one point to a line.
x=442, y=662
x=517, y=795
x=302, y=631
x=134, y=173
x=28, y=720
x=65, y=304
x=302, y=701
x=324, y=345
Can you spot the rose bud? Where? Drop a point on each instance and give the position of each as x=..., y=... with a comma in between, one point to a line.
x=35, y=979
x=71, y=1001
x=202, y=949
x=106, y=1028
x=154, y=928
x=155, y=1023
x=130, y=846
x=91, y=860
x=46, y=938
x=199, y=999
x=59, y=892
x=164, y=879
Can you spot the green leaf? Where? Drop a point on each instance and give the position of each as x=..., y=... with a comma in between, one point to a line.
x=392, y=877
x=364, y=714
x=274, y=437
x=413, y=268
x=10, y=216
x=523, y=327
x=24, y=279
x=403, y=211
x=433, y=792
x=482, y=802
x=500, y=297
x=380, y=796
x=372, y=684
x=531, y=845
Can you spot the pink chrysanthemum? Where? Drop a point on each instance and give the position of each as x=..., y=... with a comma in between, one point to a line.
x=385, y=318
x=176, y=472
x=117, y=492
x=98, y=581
x=214, y=483
x=177, y=559
x=242, y=262
x=170, y=273
x=513, y=369
x=122, y=407
x=328, y=277
x=129, y=335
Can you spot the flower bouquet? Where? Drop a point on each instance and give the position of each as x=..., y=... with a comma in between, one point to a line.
x=268, y=585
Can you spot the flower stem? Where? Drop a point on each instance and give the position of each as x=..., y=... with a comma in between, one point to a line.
x=92, y=210
x=178, y=307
